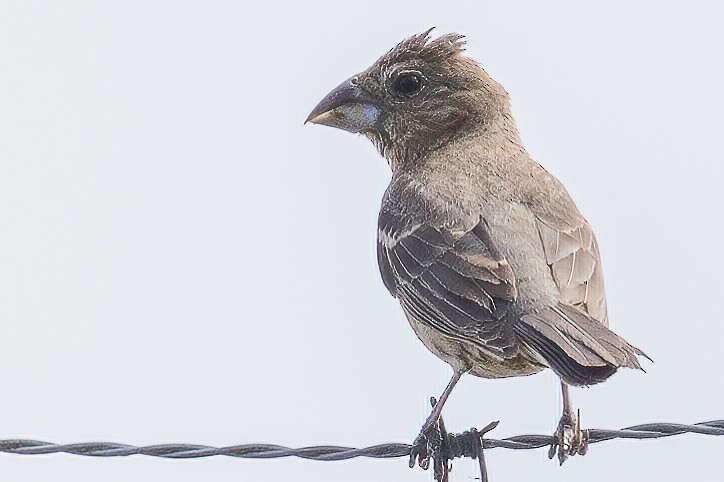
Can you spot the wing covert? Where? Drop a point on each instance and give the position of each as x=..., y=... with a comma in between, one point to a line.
x=457, y=282
x=572, y=255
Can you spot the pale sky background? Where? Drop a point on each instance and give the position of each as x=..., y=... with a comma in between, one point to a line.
x=181, y=260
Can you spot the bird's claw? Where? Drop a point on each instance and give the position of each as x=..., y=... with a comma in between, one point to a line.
x=422, y=451
x=569, y=438
x=429, y=444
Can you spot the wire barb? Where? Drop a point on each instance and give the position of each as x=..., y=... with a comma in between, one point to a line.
x=437, y=444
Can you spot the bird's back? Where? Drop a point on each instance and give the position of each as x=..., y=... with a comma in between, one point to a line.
x=556, y=314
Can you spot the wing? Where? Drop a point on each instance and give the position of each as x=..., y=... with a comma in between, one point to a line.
x=457, y=282
x=572, y=253
x=573, y=336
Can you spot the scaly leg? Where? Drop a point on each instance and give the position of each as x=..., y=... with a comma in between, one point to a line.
x=435, y=414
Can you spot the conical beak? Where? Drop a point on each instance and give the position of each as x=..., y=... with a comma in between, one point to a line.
x=347, y=107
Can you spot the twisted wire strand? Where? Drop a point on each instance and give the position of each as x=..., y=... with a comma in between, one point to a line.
x=330, y=452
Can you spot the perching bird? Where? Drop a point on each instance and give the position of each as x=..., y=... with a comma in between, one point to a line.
x=496, y=270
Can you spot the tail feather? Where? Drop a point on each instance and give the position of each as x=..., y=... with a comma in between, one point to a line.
x=580, y=350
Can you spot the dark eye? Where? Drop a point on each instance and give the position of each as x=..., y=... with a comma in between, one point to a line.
x=408, y=83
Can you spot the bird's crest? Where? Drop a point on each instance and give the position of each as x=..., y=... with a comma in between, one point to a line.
x=426, y=49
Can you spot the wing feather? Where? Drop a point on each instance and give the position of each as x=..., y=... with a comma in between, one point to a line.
x=572, y=255
x=456, y=281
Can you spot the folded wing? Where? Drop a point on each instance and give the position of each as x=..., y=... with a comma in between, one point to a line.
x=456, y=282
x=573, y=336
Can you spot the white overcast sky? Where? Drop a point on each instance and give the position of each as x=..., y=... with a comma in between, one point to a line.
x=181, y=260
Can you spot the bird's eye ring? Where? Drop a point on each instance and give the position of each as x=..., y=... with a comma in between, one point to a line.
x=408, y=83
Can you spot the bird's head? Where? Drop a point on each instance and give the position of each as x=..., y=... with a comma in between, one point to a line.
x=418, y=97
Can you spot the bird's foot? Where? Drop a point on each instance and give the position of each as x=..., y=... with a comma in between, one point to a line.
x=569, y=438
x=430, y=444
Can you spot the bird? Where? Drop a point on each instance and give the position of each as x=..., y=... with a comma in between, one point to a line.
x=497, y=271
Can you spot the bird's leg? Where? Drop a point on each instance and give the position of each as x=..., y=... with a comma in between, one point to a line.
x=437, y=410
x=569, y=438
x=431, y=434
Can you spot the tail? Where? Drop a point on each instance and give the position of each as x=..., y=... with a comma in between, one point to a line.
x=580, y=350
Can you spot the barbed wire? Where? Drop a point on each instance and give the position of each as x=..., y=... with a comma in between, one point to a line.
x=450, y=446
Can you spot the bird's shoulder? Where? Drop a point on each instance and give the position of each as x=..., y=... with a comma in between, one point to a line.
x=440, y=249
x=411, y=205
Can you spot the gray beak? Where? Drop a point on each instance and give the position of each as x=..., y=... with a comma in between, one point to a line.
x=347, y=107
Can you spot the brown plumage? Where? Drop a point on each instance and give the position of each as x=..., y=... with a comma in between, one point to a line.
x=495, y=268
